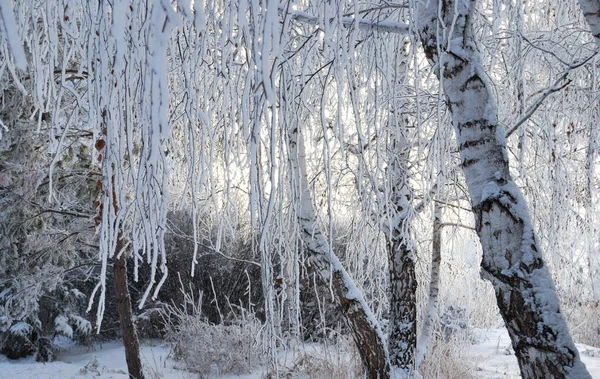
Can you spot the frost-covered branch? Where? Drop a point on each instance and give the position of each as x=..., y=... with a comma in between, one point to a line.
x=348, y=21
x=560, y=83
x=9, y=25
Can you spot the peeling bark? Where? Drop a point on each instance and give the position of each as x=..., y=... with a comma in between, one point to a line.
x=512, y=261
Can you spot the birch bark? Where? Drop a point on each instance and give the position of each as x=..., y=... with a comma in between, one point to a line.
x=402, y=340
x=512, y=260
x=591, y=12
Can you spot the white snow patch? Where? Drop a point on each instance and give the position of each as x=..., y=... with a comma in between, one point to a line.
x=21, y=328
x=490, y=191
x=61, y=325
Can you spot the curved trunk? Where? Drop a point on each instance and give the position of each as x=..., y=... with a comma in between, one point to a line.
x=512, y=261
x=349, y=300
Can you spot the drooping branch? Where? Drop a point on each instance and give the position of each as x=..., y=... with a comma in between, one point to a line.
x=560, y=83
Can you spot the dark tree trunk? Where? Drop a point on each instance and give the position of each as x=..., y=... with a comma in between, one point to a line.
x=402, y=337
x=512, y=261
x=130, y=340
x=365, y=336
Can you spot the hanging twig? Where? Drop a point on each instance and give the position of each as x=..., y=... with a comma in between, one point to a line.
x=557, y=86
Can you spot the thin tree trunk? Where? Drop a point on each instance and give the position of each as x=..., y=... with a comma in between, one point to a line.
x=512, y=261
x=366, y=332
x=434, y=286
x=591, y=12
x=402, y=338
x=130, y=340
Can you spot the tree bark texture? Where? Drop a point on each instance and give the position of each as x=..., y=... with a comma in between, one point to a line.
x=402, y=337
x=591, y=12
x=130, y=340
x=366, y=332
x=512, y=260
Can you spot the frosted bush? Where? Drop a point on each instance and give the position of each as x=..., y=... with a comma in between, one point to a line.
x=448, y=358
x=208, y=349
x=340, y=361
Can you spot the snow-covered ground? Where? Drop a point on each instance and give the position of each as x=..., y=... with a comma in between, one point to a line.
x=492, y=356
x=495, y=358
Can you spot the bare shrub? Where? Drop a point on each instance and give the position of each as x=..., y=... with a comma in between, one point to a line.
x=340, y=361
x=584, y=320
x=448, y=358
x=209, y=349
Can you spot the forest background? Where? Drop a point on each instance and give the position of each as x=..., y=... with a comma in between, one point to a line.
x=289, y=158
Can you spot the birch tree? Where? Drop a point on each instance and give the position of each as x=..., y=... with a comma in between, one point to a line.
x=512, y=260
x=366, y=332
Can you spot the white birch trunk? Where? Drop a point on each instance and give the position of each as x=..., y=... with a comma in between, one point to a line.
x=434, y=287
x=512, y=260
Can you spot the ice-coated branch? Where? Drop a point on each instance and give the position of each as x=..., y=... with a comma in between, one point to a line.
x=349, y=21
x=560, y=83
x=9, y=25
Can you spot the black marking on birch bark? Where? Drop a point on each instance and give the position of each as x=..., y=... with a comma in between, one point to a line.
x=473, y=83
x=473, y=143
x=450, y=73
x=451, y=104
x=403, y=286
x=482, y=123
x=469, y=162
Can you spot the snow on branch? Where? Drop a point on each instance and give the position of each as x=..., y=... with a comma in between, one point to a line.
x=348, y=21
x=558, y=85
x=9, y=25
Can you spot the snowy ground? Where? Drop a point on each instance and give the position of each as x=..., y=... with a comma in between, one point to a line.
x=492, y=356
x=495, y=358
